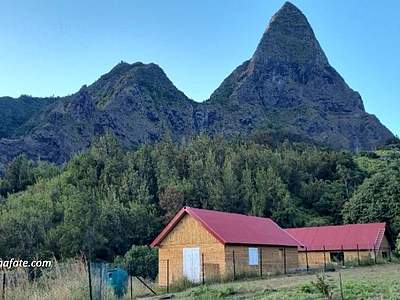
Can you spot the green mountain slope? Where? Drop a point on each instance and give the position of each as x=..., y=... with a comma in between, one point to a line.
x=16, y=112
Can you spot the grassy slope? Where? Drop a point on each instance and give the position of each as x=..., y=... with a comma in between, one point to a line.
x=374, y=282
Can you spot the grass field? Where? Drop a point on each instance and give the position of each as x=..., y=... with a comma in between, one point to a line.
x=373, y=282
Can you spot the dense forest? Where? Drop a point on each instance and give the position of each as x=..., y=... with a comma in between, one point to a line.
x=109, y=198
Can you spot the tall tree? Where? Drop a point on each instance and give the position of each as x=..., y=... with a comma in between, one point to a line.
x=376, y=200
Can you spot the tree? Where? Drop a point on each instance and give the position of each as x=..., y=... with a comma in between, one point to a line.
x=377, y=199
x=247, y=189
x=25, y=221
x=140, y=261
x=171, y=201
x=271, y=192
x=80, y=231
x=18, y=175
x=229, y=199
x=261, y=205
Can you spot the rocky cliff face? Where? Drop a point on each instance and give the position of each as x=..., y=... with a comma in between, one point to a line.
x=137, y=103
x=15, y=113
x=287, y=85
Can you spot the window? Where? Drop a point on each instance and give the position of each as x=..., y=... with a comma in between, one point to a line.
x=253, y=256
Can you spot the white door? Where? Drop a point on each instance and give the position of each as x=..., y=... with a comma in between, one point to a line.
x=191, y=264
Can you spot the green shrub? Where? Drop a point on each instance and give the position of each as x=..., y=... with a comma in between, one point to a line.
x=324, y=285
x=140, y=261
x=307, y=288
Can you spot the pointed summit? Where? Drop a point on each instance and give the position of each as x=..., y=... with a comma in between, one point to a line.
x=288, y=84
x=289, y=7
x=289, y=38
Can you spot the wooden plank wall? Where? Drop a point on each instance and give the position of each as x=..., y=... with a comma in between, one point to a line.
x=186, y=234
x=272, y=259
x=316, y=258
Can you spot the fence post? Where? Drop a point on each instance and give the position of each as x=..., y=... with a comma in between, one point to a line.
x=167, y=275
x=90, y=280
x=284, y=260
x=131, y=273
x=101, y=282
x=3, y=293
x=234, y=264
x=202, y=266
x=343, y=256
x=308, y=267
x=261, y=262
x=341, y=286
x=358, y=255
x=324, y=260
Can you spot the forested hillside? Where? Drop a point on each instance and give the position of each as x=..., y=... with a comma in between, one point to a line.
x=107, y=199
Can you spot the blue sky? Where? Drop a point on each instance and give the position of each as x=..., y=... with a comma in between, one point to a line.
x=53, y=47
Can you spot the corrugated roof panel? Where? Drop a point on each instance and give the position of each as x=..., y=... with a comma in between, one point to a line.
x=351, y=236
x=231, y=228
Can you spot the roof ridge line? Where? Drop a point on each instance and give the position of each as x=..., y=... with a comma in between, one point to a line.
x=300, y=244
x=204, y=224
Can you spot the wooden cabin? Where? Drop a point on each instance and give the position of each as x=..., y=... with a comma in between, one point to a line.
x=341, y=243
x=201, y=244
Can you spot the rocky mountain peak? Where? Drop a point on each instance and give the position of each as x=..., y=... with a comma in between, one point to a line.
x=126, y=80
x=287, y=87
x=289, y=38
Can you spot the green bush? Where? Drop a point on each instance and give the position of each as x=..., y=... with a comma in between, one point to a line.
x=324, y=285
x=140, y=261
x=308, y=288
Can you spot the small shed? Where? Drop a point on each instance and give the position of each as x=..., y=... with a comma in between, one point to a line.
x=201, y=244
x=341, y=243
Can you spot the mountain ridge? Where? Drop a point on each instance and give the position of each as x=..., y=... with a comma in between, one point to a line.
x=287, y=85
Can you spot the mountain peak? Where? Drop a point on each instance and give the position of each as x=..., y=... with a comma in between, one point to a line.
x=289, y=38
x=289, y=7
x=287, y=87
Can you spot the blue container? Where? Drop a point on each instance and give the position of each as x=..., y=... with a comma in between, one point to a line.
x=118, y=280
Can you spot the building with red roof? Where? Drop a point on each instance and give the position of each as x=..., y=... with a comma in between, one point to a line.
x=200, y=244
x=339, y=243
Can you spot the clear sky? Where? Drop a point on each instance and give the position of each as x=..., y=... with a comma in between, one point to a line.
x=53, y=47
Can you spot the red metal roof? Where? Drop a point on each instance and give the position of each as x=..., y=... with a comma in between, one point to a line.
x=230, y=228
x=366, y=236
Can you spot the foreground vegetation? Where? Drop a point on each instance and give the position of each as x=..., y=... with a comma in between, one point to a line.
x=372, y=282
x=64, y=281
x=61, y=281
x=69, y=280
x=107, y=199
